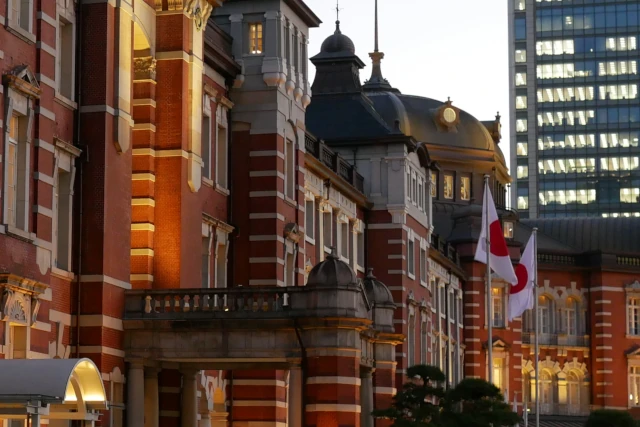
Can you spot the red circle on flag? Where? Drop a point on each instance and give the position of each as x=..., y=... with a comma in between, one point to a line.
x=523, y=278
x=498, y=244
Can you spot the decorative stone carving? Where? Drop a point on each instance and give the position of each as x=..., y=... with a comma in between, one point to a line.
x=35, y=307
x=16, y=311
x=199, y=10
x=7, y=299
x=144, y=68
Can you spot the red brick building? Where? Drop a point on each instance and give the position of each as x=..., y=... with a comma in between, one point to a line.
x=183, y=208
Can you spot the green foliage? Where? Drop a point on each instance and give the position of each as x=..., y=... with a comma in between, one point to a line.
x=610, y=418
x=422, y=402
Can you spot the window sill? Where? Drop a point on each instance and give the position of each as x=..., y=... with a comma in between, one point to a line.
x=208, y=182
x=423, y=283
x=360, y=268
x=411, y=276
x=21, y=33
x=220, y=189
x=62, y=274
x=290, y=201
x=20, y=234
x=633, y=337
x=65, y=102
x=309, y=240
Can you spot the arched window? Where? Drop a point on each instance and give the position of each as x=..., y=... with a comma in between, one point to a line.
x=546, y=392
x=573, y=389
x=545, y=309
x=570, y=325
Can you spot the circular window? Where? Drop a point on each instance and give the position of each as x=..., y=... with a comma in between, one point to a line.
x=449, y=115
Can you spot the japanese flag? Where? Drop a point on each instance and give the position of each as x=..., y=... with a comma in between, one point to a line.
x=521, y=294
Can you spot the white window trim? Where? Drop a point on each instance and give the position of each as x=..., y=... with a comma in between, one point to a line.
x=222, y=239
x=25, y=111
x=411, y=256
x=325, y=208
x=206, y=112
x=636, y=296
x=358, y=232
x=310, y=197
x=28, y=34
x=209, y=233
x=342, y=220
x=68, y=15
x=66, y=151
x=632, y=362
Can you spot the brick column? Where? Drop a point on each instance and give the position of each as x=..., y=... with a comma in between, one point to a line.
x=602, y=345
x=332, y=389
x=143, y=174
x=259, y=397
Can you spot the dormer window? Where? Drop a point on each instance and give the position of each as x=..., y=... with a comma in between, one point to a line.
x=448, y=116
x=255, y=38
x=508, y=230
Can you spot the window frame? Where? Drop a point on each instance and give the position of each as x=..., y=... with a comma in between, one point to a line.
x=16, y=26
x=451, y=193
x=411, y=257
x=61, y=61
x=463, y=179
x=310, y=232
x=636, y=307
x=222, y=147
x=289, y=169
x=207, y=143
x=256, y=38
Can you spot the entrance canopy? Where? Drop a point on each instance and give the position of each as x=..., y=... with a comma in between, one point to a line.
x=54, y=388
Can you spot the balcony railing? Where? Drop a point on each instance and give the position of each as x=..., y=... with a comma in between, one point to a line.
x=158, y=303
x=318, y=149
x=559, y=409
x=445, y=248
x=562, y=340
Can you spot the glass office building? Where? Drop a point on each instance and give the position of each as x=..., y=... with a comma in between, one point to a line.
x=575, y=110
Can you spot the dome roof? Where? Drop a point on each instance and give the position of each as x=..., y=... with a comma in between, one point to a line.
x=417, y=117
x=332, y=272
x=338, y=43
x=377, y=292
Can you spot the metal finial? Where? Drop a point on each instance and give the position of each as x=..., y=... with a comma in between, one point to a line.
x=338, y=10
x=376, y=35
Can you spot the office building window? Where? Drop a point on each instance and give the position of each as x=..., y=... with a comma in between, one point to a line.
x=522, y=149
x=545, y=308
x=563, y=197
x=619, y=163
x=255, y=38
x=465, y=188
x=522, y=171
x=520, y=28
x=310, y=219
x=521, y=125
x=521, y=55
x=519, y=5
x=521, y=102
x=629, y=195
x=617, y=68
x=521, y=79
x=498, y=373
x=411, y=257
x=570, y=141
x=448, y=186
x=618, y=92
x=65, y=59
x=523, y=202
x=619, y=139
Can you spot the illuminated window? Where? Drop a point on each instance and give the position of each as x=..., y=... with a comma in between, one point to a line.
x=521, y=125
x=634, y=385
x=521, y=55
x=497, y=305
x=521, y=102
x=448, y=186
x=555, y=47
x=630, y=195
x=563, y=197
x=522, y=149
x=521, y=79
x=18, y=341
x=618, y=92
x=633, y=315
x=221, y=253
x=621, y=139
x=255, y=38
x=508, y=229
x=565, y=94
x=465, y=188
x=522, y=171
x=570, y=317
x=498, y=373
x=620, y=43
x=434, y=184
x=523, y=202
x=615, y=68
x=519, y=4
x=545, y=309
x=619, y=163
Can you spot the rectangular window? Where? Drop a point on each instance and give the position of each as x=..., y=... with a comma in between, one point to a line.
x=17, y=173
x=521, y=102
x=633, y=315
x=520, y=28
x=344, y=239
x=497, y=305
x=411, y=341
x=521, y=79
x=65, y=59
x=519, y=5
x=62, y=224
x=206, y=146
x=508, y=229
x=521, y=55
x=21, y=11
x=289, y=173
x=221, y=265
x=629, y=195
x=290, y=268
x=116, y=404
x=361, y=249
x=411, y=257
x=522, y=149
x=498, y=373
x=522, y=171
x=465, y=188
x=448, y=186
x=327, y=229
x=634, y=385
x=423, y=265
x=423, y=342
x=255, y=38
x=221, y=155
x=206, y=260
x=434, y=184
x=310, y=219
x=521, y=125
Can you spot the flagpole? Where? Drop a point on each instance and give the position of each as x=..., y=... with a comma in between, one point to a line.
x=488, y=290
x=537, y=321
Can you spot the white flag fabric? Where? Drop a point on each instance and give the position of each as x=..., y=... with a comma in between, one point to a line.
x=500, y=260
x=521, y=294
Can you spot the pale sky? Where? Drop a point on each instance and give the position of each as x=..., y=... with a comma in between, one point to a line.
x=433, y=48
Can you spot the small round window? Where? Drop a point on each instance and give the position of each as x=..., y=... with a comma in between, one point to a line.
x=449, y=115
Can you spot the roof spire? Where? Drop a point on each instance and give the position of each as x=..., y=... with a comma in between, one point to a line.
x=376, y=82
x=376, y=39
x=337, y=17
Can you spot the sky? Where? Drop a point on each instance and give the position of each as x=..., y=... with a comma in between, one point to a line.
x=433, y=48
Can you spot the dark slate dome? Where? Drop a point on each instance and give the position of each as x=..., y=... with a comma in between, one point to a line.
x=338, y=43
x=377, y=292
x=332, y=272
